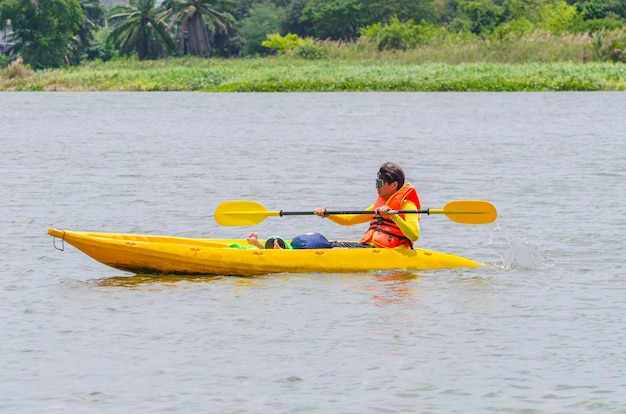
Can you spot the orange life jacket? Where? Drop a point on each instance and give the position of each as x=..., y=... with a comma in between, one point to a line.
x=383, y=231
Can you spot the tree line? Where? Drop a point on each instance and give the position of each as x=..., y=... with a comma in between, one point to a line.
x=54, y=33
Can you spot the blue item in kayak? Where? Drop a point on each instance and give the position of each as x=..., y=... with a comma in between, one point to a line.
x=310, y=241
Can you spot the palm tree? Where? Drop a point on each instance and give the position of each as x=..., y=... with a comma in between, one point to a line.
x=94, y=15
x=139, y=27
x=190, y=15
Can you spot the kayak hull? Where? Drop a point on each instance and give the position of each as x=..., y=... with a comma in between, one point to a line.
x=147, y=254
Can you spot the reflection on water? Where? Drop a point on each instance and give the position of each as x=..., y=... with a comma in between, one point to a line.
x=141, y=280
x=398, y=276
x=165, y=280
x=388, y=278
x=395, y=288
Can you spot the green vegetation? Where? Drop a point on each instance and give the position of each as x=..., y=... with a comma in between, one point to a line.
x=310, y=45
x=55, y=33
x=45, y=30
x=295, y=74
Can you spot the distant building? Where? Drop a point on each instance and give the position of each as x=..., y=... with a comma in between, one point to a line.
x=5, y=44
x=110, y=3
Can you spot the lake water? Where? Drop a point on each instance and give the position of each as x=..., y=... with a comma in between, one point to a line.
x=540, y=329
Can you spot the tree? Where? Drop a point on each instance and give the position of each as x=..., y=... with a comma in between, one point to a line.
x=617, y=7
x=557, y=18
x=342, y=19
x=517, y=9
x=290, y=19
x=416, y=10
x=398, y=35
x=43, y=30
x=484, y=16
x=190, y=16
x=335, y=20
x=140, y=28
x=263, y=20
x=591, y=10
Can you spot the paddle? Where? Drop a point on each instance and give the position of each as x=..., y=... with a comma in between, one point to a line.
x=249, y=213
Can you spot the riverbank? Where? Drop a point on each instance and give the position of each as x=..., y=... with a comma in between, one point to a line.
x=282, y=74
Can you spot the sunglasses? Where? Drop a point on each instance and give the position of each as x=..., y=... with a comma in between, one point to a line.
x=379, y=182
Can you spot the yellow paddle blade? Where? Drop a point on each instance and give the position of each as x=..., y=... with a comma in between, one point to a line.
x=241, y=213
x=468, y=211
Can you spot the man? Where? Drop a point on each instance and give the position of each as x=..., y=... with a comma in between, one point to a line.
x=387, y=229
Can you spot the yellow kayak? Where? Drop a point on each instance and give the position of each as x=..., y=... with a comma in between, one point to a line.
x=146, y=254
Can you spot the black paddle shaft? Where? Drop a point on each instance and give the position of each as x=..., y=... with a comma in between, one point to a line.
x=328, y=213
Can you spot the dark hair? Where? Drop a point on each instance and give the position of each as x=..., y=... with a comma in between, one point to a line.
x=269, y=243
x=390, y=172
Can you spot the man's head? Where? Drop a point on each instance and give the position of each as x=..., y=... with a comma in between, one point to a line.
x=390, y=178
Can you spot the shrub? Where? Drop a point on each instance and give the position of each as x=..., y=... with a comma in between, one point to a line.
x=284, y=44
x=617, y=55
x=398, y=35
x=609, y=44
x=4, y=61
x=309, y=50
x=17, y=69
x=595, y=25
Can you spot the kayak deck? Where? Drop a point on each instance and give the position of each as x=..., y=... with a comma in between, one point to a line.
x=147, y=254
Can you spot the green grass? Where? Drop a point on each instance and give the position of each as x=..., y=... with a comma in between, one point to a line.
x=285, y=74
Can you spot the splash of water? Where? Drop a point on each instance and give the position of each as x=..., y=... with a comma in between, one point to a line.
x=523, y=255
x=518, y=252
